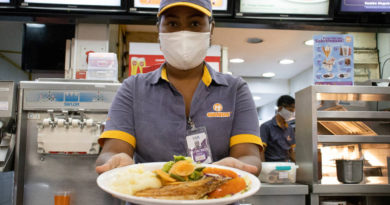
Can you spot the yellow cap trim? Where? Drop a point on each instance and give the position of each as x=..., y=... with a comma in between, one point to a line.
x=192, y=5
x=265, y=144
x=116, y=134
x=206, y=78
x=245, y=138
x=164, y=75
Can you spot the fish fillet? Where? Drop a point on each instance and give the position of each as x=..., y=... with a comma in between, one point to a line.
x=191, y=190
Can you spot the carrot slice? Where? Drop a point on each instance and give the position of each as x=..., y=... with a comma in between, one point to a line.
x=164, y=176
x=222, y=172
x=182, y=168
x=230, y=187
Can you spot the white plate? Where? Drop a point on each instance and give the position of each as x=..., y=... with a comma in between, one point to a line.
x=104, y=181
x=308, y=1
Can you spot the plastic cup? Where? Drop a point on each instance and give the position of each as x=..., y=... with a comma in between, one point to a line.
x=62, y=198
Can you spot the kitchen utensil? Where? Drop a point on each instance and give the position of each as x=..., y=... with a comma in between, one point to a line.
x=349, y=171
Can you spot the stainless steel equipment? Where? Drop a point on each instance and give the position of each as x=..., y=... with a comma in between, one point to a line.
x=7, y=139
x=7, y=124
x=349, y=171
x=361, y=103
x=58, y=127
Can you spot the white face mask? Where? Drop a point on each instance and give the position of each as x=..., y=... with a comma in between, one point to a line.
x=287, y=115
x=184, y=50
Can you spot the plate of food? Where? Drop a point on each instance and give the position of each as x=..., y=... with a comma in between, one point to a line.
x=343, y=75
x=328, y=76
x=180, y=181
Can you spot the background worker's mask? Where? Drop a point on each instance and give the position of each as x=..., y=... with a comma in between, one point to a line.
x=287, y=115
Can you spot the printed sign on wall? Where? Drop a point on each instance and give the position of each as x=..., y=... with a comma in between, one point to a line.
x=147, y=57
x=333, y=59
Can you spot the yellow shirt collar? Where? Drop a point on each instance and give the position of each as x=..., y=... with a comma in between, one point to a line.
x=206, y=78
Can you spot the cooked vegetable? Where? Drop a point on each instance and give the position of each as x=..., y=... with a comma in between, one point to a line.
x=164, y=176
x=177, y=177
x=196, y=175
x=182, y=168
x=199, y=169
x=230, y=187
x=222, y=172
x=167, y=166
x=180, y=158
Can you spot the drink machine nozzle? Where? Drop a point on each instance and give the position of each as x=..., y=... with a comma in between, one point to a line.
x=52, y=122
x=82, y=118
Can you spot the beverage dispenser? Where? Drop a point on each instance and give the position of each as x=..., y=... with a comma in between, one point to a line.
x=7, y=124
x=58, y=127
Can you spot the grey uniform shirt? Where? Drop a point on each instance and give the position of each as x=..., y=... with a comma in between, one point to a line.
x=149, y=113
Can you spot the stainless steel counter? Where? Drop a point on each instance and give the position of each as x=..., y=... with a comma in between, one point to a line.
x=292, y=194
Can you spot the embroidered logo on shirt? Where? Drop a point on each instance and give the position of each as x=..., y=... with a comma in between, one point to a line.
x=218, y=108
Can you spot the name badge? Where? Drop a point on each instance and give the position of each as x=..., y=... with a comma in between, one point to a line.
x=198, y=145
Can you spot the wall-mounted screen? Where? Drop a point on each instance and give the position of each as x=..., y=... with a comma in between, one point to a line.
x=365, y=6
x=220, y=7
x=88, y=5
x=304, y=7
x=284, y=8
x=78, y=2
x=7, y=4
x=44, y=46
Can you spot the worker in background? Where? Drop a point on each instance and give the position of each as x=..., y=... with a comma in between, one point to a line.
x=277, y=135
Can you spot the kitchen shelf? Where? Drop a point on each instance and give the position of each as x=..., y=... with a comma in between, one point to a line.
x=352, y=89
x=307, y=124
x=354, y=139
x=282, y=189
x=353, y=115
x=343, y=189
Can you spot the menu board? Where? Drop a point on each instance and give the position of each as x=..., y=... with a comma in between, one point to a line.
x=333, y=59
x=304, y=7
x=5, y=1
x=218, y=5
x=78, y=2
x=365, y=5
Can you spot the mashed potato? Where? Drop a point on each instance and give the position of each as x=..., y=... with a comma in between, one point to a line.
x=134, y=179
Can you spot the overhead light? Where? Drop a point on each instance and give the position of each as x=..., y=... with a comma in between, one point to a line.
x=256, y=98
x=236, y=60
x=269, y=75
x=309, y=42
x=35, y=25
x=254, y=40
x=286, y=61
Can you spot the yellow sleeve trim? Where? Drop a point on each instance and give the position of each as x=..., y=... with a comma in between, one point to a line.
x=245, y=138
x=116, y=134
